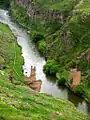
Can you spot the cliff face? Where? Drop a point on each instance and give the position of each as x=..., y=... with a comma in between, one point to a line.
x=48, y=14
x=28, y=5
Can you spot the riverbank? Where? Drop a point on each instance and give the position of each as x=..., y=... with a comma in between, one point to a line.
x=17, y=101
x=67, y=53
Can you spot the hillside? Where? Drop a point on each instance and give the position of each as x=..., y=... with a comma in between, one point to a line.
x=66, y=30
x=17, y=101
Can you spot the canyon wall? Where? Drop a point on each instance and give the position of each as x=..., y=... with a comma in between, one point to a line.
x=50, y=15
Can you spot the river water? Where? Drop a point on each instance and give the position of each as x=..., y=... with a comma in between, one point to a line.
x=32, y=57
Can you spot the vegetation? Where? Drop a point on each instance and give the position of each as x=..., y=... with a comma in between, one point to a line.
x=39, y=39
x=42, y=46
x=66, y=41
x=20, y=102
x=37, y=36
x=51, y=67
x=20, y=15
x=11, y=59
x=4, y=3
x=63, y=77
x=79, y=90
x=17, y=101
x=62, y=6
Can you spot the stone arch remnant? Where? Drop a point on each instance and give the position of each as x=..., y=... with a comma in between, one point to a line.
x=31, y=81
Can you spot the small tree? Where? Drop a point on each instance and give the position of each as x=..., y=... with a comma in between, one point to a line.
x=37, y=36
x=42, y=46
x=79, y=90
x=51, y=67
x=63, y=77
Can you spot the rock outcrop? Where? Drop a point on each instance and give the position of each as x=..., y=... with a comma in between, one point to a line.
x=75, y=76
x=85, y=56
x=33, y=12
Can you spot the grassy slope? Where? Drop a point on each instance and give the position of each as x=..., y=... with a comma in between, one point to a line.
x=10, y=52
x=18, y=102
x=61, y=6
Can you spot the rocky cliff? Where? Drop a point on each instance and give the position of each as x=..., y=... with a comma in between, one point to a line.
x=48, y=14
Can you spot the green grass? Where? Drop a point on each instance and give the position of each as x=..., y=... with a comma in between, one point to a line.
x=20, y=102
x=83, y=6
x=59, y=5
x=10, y=52
x=64, y=6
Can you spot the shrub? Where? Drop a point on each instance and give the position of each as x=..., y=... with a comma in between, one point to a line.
x=2, y=62
x=42, y=46
x=51, y=67
x=37, y=36
x=4, y=3
x=63, y=77
x=79, y=90
x=83, y=65
x=61, y=81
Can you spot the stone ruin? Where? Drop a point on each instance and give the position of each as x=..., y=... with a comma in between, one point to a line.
x=75, y=76
x=32, y=82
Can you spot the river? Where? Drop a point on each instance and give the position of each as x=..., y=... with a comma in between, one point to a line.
x=32, y=57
